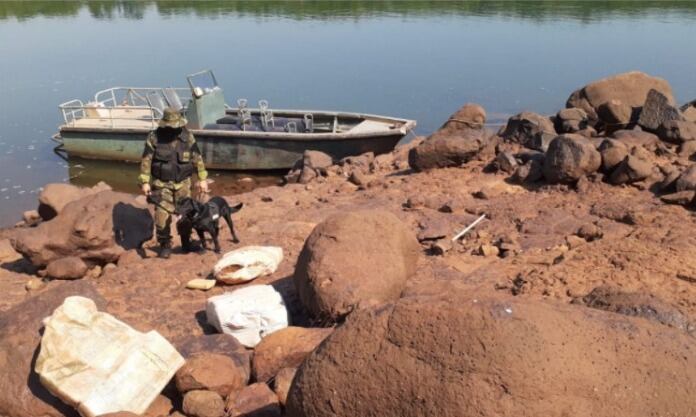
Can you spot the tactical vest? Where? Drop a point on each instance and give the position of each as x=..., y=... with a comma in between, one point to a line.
x=172, y=161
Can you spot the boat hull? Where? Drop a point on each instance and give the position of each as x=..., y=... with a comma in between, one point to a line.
x=230, y=150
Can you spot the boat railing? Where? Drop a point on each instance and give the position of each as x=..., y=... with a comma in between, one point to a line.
x=72, y=110
x=134, y=96
x=112, y=116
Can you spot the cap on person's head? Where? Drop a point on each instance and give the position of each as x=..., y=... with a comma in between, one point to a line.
x=172, y=118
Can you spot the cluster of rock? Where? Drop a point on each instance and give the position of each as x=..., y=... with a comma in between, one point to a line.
x=624, y=129
x=82, y=230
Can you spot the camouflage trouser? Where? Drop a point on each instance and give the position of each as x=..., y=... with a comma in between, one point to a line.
x=169, y=194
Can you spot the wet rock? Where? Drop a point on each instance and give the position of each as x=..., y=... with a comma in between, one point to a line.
x=677, y=131
x=256, y=400
x=642, y=305
x=86, y=355
x=354, y=258
x=630, y=170
x=614, y=114
x=657, y=110
x=570, y=157
x=630, y=88
x=613, y=153
x=97, y=228
x=70, y=267
x=54, y=197
x=202, y=403
x=687, y=179
x=475, y=339
x=282, y=383
x=213, y=372
x=571, y=120
x=524, y=127
x=285, y=348
x=505, y=162
x=682, y=198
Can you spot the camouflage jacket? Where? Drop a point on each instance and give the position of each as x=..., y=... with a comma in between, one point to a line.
x=196, y=158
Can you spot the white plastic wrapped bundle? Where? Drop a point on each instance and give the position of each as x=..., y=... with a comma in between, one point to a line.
x=249, y=314
x=244, y=264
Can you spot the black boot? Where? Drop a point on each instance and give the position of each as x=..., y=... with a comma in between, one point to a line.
x=165, y=250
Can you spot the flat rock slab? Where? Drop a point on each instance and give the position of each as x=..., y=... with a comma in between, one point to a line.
x=99, y=364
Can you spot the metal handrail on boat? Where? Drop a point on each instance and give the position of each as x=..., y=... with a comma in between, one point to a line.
x=69, y=111
x=114, y=93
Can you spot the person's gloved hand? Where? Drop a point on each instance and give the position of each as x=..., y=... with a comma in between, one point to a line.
x=145, y=188
x=203, y=186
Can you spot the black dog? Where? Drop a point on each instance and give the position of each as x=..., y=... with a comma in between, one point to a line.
x=204, y=218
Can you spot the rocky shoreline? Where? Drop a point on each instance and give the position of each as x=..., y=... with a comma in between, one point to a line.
x=575, y=296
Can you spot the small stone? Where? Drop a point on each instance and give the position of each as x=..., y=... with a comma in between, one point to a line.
x=630, y=170
x=590, y=232
x=201, y=403
x=70, y=267
x=357, y=178
x=687, y=179
x=682, y=197
x=94, y=272
x=505, y=162
x=108, y=267
x=256, y=400
x=212, y=372
x=34, y=284
x=440, y=247
x=574, y=241
x=615, y=113
x=613, y=151
x=488, y=250
x=266, y=199
x=31, y=217
x=200, y=284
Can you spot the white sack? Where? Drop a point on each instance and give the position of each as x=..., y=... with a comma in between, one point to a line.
x=100, y=365
x=249, y=314
x=247, y=263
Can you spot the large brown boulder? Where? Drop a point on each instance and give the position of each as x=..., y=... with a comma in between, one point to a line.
x=285, y=348
x=626, y=89
x=457, y=142
x=21, y=393
x=461, y=354
x=212, y=372
x=569, y=158
x=70, y=267
x=97, y=228
x=354, y=258
x=529, y=129
x=55, y=196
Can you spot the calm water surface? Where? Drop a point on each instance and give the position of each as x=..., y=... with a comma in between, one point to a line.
x=419, y=60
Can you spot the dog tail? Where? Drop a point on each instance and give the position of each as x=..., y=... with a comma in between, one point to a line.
x=236, y=208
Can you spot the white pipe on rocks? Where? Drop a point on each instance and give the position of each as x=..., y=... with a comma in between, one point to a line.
x=469, y=227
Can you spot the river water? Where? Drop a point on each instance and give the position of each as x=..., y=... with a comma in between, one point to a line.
x=419, y=60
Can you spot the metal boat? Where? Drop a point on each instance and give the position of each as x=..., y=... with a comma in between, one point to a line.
x=115, y=124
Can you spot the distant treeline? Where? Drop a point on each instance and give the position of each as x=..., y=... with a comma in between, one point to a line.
x=534, y=10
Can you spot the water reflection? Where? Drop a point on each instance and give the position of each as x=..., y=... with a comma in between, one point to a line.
x=122, y=176
x=534, y=10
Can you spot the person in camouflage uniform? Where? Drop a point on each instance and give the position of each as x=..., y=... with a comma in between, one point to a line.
x=168, y=162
